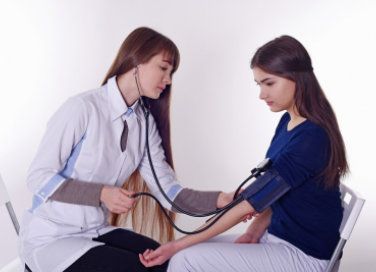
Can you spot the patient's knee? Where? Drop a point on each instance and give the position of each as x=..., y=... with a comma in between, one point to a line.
x=185, y=260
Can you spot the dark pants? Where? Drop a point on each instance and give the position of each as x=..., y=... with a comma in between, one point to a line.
x=120, y=253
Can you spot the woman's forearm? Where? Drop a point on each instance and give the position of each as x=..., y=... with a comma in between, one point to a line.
x=228, y=220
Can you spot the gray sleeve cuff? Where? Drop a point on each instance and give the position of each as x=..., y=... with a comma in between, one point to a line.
x=196, y=201
x=78, y=192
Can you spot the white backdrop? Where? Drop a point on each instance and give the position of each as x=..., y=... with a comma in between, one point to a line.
x=51, y=50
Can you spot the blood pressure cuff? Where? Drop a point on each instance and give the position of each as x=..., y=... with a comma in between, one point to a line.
x=265, y=190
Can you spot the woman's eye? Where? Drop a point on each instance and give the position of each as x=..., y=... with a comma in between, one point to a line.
x=269, y=84
x=163, y=68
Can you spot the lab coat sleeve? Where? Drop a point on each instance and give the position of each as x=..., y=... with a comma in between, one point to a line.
x=196, y=201
x=50, y=167
x=163, y=170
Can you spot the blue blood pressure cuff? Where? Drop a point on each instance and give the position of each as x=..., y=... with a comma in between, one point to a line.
x=265, y=190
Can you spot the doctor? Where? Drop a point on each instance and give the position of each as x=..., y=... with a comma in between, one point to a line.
x=92, y=159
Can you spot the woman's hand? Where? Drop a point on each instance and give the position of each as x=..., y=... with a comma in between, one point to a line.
x=250, y=237
x=117, y=200
x=159, y=256
x=257, y=228
x=226, y=198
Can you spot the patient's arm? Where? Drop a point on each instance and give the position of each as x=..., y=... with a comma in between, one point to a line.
x=228, y=220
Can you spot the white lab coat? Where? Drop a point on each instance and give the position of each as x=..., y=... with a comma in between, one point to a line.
x=82, y=142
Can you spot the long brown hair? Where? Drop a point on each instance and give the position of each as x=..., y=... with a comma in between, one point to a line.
x=286, y=57
x=139, y=47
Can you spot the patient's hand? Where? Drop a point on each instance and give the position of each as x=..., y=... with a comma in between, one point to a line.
x=250, y=237
x=257, y=229
x=159, y=256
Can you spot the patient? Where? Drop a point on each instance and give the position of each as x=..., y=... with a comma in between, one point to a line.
x=299, y=200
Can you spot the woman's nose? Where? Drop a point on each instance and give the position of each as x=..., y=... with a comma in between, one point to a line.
x=262, y=94
x=167, y=79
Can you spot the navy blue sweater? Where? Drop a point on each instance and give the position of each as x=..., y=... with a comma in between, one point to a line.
x=308, y=215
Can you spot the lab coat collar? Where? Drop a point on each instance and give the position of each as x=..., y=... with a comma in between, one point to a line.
x=117, y=105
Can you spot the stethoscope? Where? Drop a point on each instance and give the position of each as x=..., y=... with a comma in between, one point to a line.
x=218, y=213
